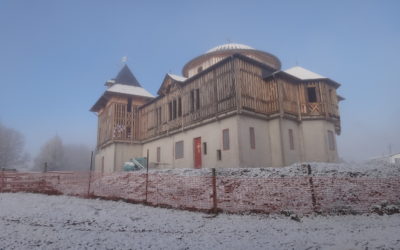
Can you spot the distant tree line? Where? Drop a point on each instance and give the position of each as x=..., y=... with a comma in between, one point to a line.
x=12, y=145
x=56, y=155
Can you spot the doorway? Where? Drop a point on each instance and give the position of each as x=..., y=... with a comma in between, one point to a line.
x=197, y=152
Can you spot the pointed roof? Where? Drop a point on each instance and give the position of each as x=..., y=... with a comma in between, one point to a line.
x=303, y=74
x=126, y=77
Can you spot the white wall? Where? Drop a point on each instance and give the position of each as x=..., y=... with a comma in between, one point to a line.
x=210, y=133
x=108, y=154
x=316, y=145
x=261, y=155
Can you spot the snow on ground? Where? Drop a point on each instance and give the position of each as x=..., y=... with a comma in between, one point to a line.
x=365, y=169
x=34, y=221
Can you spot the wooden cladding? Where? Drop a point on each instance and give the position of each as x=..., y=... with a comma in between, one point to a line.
x=118, y=121
x=234, y=85
x=209, y=94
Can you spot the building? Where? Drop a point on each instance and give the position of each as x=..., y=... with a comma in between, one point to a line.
x=233, y=107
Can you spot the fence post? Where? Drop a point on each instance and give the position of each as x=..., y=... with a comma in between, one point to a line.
x=2, y=179
x=214, y=190
x=310, y=180
x=90, y=173
x=147, y=174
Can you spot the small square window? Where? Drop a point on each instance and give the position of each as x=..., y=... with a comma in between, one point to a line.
x=179, y=150
x=252, y=138
x=225, y=139
x=204, y=148
x=158, y=154
x=219, y=155
x=331, y=140
x=291, y=139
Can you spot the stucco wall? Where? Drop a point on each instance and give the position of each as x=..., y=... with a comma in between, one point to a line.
x=124, y=152
x=261, y=155
x=316, y=147
x=108, y=154
x=210, y=133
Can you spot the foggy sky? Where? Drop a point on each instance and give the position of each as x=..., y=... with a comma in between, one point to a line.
x=56, y=55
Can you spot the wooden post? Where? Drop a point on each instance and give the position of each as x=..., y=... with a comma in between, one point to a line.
x=2, y=179
x=147, y=173
x=214, y=190
x=90, y=173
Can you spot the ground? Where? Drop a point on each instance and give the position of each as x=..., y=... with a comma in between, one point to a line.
x=35, y=221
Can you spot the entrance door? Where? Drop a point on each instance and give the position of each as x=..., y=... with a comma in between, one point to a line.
x=197, y=152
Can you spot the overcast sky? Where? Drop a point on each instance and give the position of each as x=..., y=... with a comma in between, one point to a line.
x=56, y=55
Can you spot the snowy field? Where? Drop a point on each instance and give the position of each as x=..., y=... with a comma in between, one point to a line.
x=33, y=221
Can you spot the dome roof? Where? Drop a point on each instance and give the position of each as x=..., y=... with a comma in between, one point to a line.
x=229, y=46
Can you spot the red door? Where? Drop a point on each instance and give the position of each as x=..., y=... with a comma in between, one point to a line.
x=197, y=152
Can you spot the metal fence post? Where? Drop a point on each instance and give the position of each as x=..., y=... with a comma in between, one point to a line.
x=2, y=179
x=214, y=190
x=90, y=173
x=147, y=174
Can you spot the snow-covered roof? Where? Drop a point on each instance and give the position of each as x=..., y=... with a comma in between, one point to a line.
x=303, y=74
x=177, y=78
x=130, y=90
x=229, y=46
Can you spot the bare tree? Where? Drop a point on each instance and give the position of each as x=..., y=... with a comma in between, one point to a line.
x=51, y=153
x=62, y=157
x=12, y=148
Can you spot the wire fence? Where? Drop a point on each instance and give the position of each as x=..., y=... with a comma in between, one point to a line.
x=212, y=192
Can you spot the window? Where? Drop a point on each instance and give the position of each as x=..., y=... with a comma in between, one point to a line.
x=174, y=113
x=197, y=91
x=159, y=115
x=170, y=110
x=179, y=150
x=194, y=99
x=331, y=140
x=158, y=154
x=179, y=107
x=199, y=69
x=291, y=139
x=129, y=105
x=205, y=148
x=219, y=154
x=312, y=94
x=252, y=138
x=225, y=139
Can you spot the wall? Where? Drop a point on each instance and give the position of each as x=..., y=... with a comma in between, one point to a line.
x=108, y=153
x=124, y=152
x=210, y=133
x=316, y=148
x=261, y=156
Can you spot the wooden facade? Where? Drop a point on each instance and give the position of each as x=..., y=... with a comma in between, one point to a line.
x=237, y=84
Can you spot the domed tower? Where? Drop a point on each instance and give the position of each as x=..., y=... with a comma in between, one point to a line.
x=221, y=52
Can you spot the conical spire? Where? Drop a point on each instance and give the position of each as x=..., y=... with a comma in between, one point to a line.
x=126, y=77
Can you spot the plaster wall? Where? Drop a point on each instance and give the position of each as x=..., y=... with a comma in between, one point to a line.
x=211, y=134
x=316, y=144
x=107, y=153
